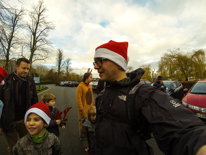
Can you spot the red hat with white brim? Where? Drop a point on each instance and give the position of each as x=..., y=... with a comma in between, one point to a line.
x=114, y=51
x=41, y=109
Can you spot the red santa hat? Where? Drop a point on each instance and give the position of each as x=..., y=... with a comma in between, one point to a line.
x=41, y=109
x=114, y=51
x=3, y=74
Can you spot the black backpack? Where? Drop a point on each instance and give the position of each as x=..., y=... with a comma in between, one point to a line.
x=140, y=128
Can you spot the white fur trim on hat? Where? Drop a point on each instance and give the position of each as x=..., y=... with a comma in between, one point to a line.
x=111, y=55
x=39, y=112
x=2, y=83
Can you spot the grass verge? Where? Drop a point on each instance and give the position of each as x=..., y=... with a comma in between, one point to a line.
x=41, y=89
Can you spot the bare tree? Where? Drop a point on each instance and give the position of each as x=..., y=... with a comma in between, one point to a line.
x=39, y=28
x=60, y=63
x=9, y=38
x=67, y=66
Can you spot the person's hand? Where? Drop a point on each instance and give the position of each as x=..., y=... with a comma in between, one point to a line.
x=86, y=149
x=162, y=86
x=58, y=122
x=63, y=127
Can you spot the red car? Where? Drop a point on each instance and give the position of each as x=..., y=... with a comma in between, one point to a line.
x=143, y=81
x=195, y=100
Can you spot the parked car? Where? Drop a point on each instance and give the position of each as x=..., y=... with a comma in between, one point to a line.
x=143, y=81
x=195, y=100
x=68, y=83
x=76, y=83
x=94, y=85
x=174, y=89
x=61, y=83
x=71, y=84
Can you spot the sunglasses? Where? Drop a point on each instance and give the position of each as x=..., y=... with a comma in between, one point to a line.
x=99, y=61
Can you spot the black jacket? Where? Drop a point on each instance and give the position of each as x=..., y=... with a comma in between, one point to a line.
x=100, y=86
x=53, y=127
x=7, y=95
x=177, y=130
x=158, y=85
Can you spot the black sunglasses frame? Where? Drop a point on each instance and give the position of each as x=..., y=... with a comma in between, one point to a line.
x=99, y=61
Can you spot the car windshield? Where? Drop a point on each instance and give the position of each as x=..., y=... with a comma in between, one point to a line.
x=93, y=83
x=167, y=84
x=199, y=88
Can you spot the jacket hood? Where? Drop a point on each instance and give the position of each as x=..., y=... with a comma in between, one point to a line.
x=83, y=83
x=86, y=122
x=132, y=78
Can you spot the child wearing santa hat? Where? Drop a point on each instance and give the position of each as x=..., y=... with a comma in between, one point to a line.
x=38, y=140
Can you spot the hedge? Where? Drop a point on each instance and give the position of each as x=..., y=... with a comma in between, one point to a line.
x=188, y=84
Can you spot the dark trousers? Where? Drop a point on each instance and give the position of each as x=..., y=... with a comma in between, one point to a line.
x=12, y=136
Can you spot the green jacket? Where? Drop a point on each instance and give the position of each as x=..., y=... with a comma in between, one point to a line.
x=49, y=146
x=87, y=133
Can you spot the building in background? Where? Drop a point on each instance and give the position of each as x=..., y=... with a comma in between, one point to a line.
x=12, y=64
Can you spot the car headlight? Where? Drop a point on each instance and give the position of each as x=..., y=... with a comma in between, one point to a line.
x=184, y=103
x=200, y=109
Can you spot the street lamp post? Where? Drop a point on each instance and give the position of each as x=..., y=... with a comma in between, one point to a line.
x=153, y=74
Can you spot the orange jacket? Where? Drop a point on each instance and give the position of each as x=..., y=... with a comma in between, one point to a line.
x=84, y=99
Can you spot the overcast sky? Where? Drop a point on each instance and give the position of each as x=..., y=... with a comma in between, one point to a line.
x=150, y=26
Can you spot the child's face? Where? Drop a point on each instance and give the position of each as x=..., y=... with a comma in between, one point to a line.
x=51, y=103
x=93, y=117
x=35, y=125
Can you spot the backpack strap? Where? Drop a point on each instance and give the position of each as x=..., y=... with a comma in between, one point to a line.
x=142, y=147
x=130, y=99
x=138, y=124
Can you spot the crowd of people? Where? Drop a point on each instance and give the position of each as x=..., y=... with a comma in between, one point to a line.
x=122, y=118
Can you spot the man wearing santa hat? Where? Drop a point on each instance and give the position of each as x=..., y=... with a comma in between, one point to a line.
x=18, y=94
x=127, y=112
